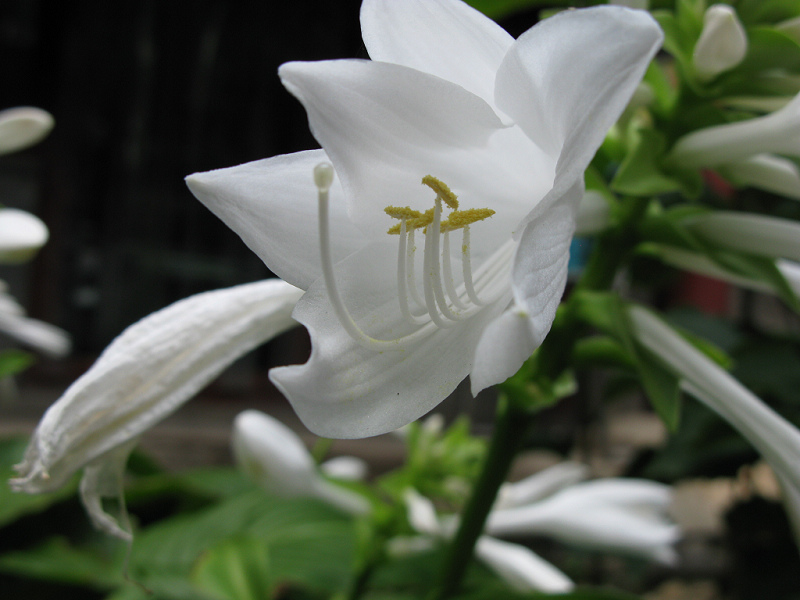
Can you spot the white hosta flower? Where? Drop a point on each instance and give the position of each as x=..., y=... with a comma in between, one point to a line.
x=540, y=485
x=767, y=172
x=774, y=437
x=21, y=235
x=722, y=44
x=517, y=565
x=757, y=234
x=509, y=126
x=145, y=374
x=275, y=457
x=23, y=127
x=39, y=335
x=775, y=133
x=624, y=515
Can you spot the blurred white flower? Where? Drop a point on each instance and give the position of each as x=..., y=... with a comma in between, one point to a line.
x=346, y=468
x=519, y=566
x=21, y=235
x=23, y=127
x=766, y=172
x=756, y=234
x=775, y=133
x=624, y=515
x=722, y=44
x=275, y=457
x=39, y=335
x=145, y=374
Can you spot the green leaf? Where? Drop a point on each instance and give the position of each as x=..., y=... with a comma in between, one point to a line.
x=307, y=541
x=662, y=387
x=606, y=311
x=235, y=569
x=752, y=12
x=640, y=174
x=58, y=560
x=601, y=350
x=13, y=361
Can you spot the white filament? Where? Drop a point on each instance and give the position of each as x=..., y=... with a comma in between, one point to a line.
x=439, y=312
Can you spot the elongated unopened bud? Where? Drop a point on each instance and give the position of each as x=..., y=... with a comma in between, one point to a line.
x=722, y=44
x=776, y=133
x=766, y=172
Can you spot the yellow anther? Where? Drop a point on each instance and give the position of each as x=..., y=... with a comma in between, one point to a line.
x=442, y=191
x=414, y=220
x=402, y=212
x=462, y=218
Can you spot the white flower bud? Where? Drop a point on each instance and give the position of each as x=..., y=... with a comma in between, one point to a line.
x=722, y=44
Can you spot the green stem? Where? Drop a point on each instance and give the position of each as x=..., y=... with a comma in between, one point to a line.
x=509, y=433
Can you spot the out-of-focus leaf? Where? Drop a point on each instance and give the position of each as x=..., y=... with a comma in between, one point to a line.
x=235, y=569
x=58, y=560
x=13, y=361
x=308, y=542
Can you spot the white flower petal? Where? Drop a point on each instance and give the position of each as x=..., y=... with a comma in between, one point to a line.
x=386, y=126
x=23, y=127
x=539, y=276
x=104, y=478
x=520, y=567
x=772, y=435
x=151, y=369
x=567, y=80
x=272, y=205
x=21, y=235
x=346, y=390
x=446, y=38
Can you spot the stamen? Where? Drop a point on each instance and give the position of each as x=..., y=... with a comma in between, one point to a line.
x=402, y=278
x=323, y=178
x=466, y=266
x=448, y=273
x=431, y=284
x=411, y=250
x=442, y=191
